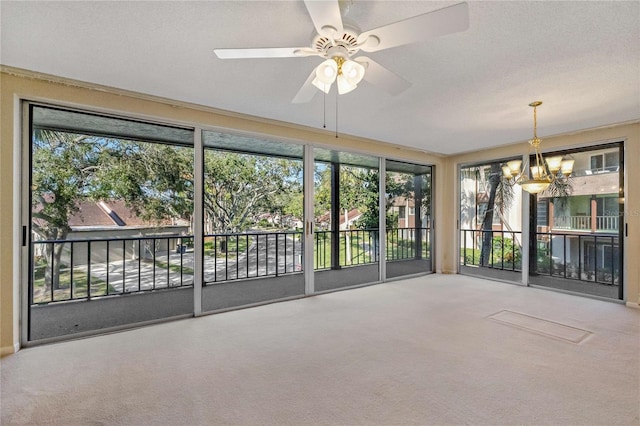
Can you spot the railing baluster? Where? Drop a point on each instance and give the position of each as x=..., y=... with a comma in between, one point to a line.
x=580, y=257
x=215, y=259
x=139, y=263
x=153, y=284
x=168, y=263
x=53, y=270
x=612, y=260
x=124, y=264
x=181, y=240
x=550, y=251
x=564, y=253
x=226, y=257
x=71, y=273
x=107, y=268
x=266, y=256
x=237, y=256
x=595, y=258
x=88, y=270
x=501, y=248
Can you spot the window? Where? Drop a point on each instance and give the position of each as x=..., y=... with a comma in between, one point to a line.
x=542, y=213
x=608, y=161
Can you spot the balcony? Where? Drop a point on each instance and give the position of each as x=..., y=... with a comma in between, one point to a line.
x=584, y=223
x=88, y=269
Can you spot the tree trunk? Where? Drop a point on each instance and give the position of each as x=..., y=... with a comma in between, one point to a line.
x=53, y=253
x=346, y=236
x=487, y=222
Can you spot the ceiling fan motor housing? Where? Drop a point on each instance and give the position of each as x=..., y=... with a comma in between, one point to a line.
x=347, y=42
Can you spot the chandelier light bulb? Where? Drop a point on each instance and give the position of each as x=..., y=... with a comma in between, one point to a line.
x=554, y=163
x=566, y=167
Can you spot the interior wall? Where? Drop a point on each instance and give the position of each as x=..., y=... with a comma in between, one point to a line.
x=629, y=133
x=18, y=84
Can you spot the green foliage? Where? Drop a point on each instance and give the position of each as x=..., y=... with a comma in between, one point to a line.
x=357, y=245
x=503, y=251
x=239, y=187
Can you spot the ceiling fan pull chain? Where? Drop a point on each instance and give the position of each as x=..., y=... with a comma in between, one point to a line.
x=324, y=110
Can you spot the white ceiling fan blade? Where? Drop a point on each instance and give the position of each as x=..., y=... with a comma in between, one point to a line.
x=269, y=52
x=381, y=77
x=432, y=24
x=326, y=17
x=307, y=91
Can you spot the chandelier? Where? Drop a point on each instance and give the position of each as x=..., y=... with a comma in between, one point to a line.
x=544, y=172
x=344, y=71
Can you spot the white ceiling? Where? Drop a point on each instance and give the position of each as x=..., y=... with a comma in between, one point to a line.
x=469, y=90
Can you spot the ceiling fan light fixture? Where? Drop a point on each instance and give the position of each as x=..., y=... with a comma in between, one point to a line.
x=344, y=85
x=352, y=71
x=327, y=71
x=320, y=85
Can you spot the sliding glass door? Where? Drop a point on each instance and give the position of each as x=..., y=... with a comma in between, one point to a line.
x=577, y=228
x=346, y=220
x=110, y=215
x=490, y=223
x=131, y=222
x=253, y=215
x=408, y=218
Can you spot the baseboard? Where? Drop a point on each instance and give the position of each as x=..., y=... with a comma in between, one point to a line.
x=633, y=305
x=9, y=350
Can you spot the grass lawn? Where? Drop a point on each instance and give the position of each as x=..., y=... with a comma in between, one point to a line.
x=42, y=295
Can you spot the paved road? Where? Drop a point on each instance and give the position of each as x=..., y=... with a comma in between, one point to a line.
x=258, y=260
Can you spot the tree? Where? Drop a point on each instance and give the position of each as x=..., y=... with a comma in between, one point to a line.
x=501, y=196
x=69, y=169
x=369, y=197
x=156, y=180
x=495, y=181
x=238, y=187
x=64, y=169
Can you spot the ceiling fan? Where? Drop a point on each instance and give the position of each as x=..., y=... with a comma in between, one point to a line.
x=339, y=42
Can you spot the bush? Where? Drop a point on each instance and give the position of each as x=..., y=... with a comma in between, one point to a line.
x=503, y=250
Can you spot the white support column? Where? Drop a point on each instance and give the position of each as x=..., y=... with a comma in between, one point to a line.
x=382, y=220
x=525, y=231
x=308, y=247
x=198, y=221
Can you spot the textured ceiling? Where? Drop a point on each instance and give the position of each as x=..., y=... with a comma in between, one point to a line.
x=470, y=90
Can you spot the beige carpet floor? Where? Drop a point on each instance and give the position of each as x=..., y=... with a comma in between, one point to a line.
x=430, y=350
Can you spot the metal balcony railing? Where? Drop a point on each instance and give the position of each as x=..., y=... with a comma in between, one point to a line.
x=587, y=257
x=85, y=269
x=504, y=252
x=248, y=255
